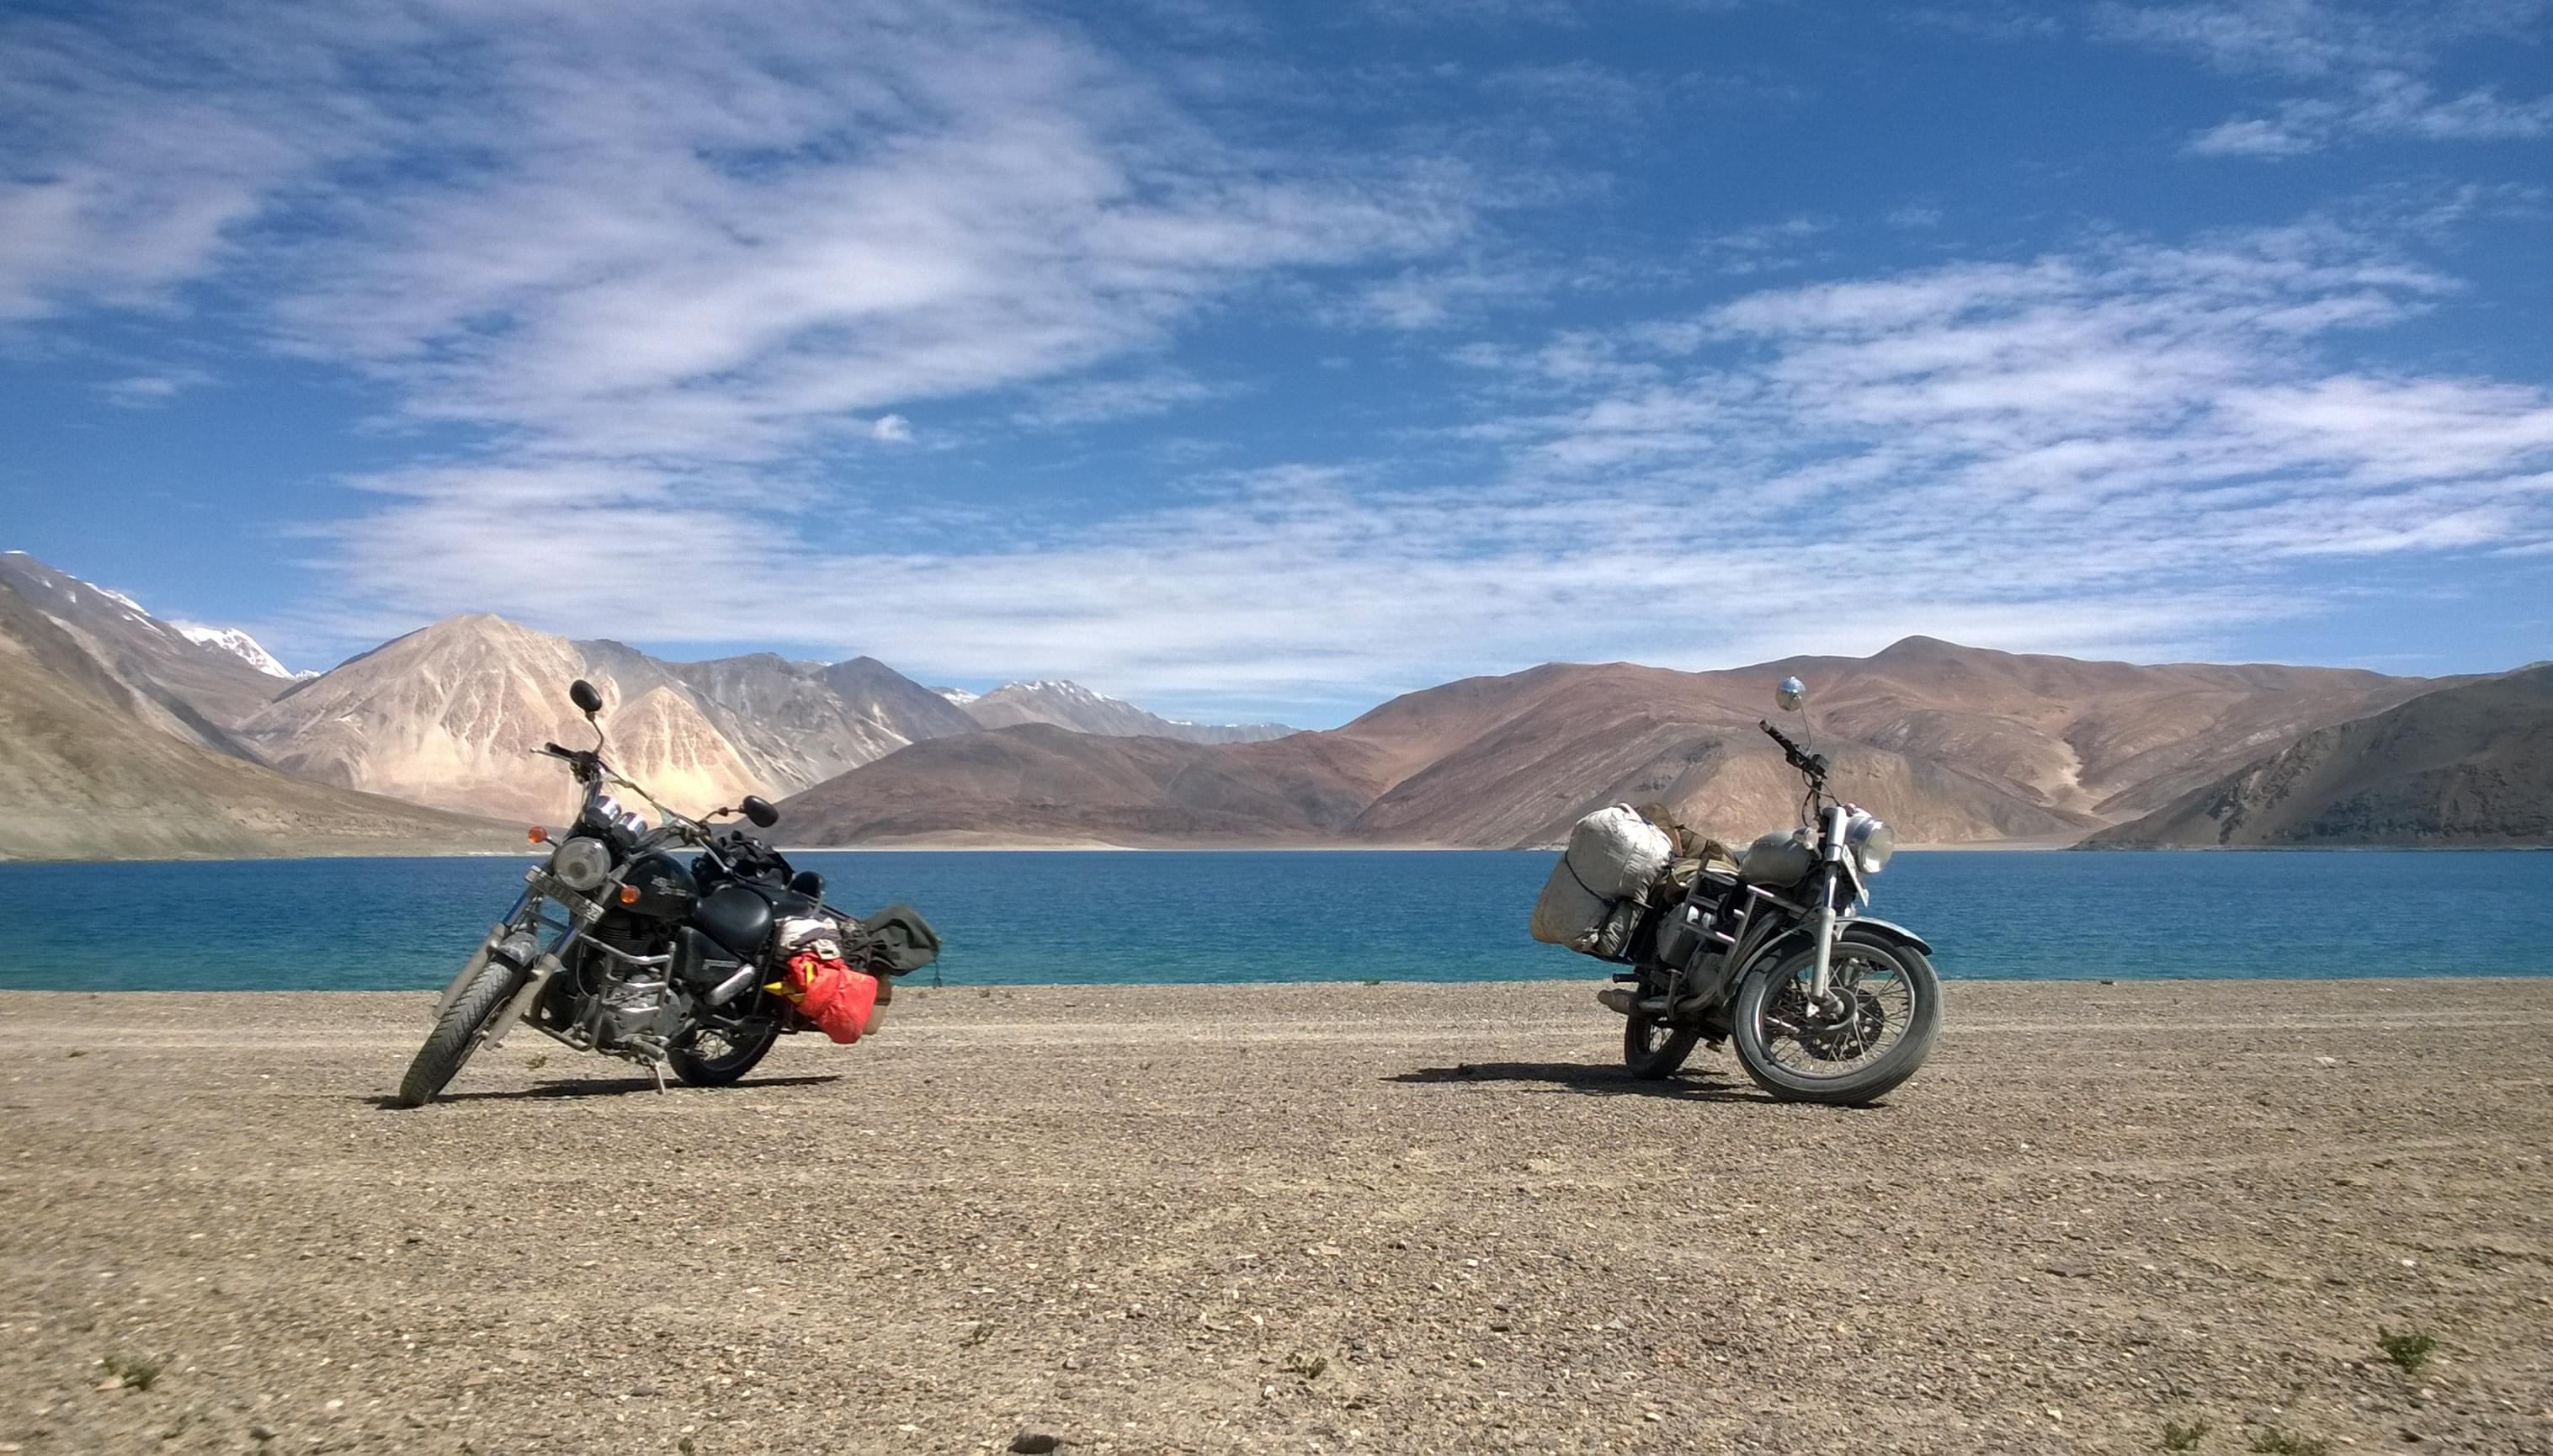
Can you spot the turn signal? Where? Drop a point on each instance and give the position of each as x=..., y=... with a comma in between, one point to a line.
x=628, y=894
x=537, y=835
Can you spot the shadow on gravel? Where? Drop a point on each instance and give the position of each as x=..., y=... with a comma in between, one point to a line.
x=1579, y=1077
x=614, y=1088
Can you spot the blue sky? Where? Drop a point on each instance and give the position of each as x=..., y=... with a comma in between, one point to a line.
x=1265, y=361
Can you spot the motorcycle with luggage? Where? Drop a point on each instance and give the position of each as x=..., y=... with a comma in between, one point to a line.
x=679, y=944
x=1767, y=948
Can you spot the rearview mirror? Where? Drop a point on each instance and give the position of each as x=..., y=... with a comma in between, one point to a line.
x=586, y=700
x=1790, y=694
x=759, y=810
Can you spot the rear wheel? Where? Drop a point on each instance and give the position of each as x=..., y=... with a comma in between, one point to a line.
x=1652, y=1049
x=457, y=1032
x=717, y=1056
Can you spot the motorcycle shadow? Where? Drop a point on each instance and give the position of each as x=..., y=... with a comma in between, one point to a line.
x=600, y=1087
x=1590, y=1080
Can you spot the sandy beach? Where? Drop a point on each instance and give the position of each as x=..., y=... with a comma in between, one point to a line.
x=1285, y=1218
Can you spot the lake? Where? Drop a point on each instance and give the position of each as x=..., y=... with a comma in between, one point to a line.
x=1023, y=917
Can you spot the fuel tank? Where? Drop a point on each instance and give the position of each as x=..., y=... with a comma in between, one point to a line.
x=1777, y=860
x=666, y=889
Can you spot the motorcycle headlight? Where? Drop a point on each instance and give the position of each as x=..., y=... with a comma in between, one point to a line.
x=581, y=864
x=1870, y=842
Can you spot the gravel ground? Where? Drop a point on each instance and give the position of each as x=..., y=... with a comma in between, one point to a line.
x=1285, y=1218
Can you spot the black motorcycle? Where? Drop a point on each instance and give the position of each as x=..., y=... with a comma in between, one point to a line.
x=619, y=946
x=1826, y=1004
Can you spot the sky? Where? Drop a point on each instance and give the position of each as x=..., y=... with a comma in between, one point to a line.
x=1260, y=361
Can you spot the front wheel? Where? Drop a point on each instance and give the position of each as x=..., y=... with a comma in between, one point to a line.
x=1883, y=1014
x=457, y=1032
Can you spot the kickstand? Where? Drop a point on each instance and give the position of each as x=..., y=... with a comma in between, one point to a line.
x=658, y=1067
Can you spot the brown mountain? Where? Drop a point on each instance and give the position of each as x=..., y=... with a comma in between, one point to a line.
x=2470, y=764
x=184, y=687
x=1952, y=744
x=449, y=716
x=1072, y=706
x=85, y=774
x=1036, y=782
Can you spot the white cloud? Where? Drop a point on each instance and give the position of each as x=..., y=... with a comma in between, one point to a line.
x=152, y=388
x=2362, y=69
x=1093, y=400
x=684, y=231
x=2130, y=449
x=893, y=428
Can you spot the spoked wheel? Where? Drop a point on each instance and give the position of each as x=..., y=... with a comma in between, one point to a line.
x=717, y=1056
x=1653, y=1050
x=458, y=1032
x=1881, y=1015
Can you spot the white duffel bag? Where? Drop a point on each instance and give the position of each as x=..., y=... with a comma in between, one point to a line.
x=1594, y=896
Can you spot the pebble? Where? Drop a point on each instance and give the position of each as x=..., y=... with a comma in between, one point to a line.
x=1035, y=1442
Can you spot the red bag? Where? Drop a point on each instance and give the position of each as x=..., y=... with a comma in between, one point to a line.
x=841, y=1001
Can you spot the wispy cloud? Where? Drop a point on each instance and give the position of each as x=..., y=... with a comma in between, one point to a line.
x=685, y=231
x=153, y=388
x=2130, y=448
x=2363, y=70
x=1131, y=395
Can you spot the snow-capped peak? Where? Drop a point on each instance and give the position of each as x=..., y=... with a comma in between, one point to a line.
x=239, y=644
x=959, y=695
x=1059, y=688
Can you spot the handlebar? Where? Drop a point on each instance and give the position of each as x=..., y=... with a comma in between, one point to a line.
x=1811, y=764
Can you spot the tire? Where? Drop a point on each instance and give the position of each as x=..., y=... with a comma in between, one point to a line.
x=702, y=1071
x=456, y=1033
x=1862, y=1084
x=1652, y=1051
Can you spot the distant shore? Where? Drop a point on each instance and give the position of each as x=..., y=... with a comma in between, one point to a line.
x=1035, y=846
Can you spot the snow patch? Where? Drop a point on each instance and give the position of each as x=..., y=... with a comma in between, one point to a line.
x=240, y=645
x=959, y=695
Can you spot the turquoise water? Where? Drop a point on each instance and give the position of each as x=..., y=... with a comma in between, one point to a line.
x=1029, y=918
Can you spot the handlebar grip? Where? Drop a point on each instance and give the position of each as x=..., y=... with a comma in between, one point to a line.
x=555, y=751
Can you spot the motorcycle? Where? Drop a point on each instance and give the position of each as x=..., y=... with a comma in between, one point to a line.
x=1824, y=1003
x=617, y=947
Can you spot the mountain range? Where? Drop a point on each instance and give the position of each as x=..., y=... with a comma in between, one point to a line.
x=94, y=765
x=1954, y=744
x=130, y=735
x=2468, y=764
x=1072, y=706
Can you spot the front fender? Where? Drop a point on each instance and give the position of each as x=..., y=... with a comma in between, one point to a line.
x=1878, y=930
x=1889, y=929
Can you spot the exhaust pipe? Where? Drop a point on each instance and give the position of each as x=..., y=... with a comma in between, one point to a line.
x=728, y=989
x=1620, y=1000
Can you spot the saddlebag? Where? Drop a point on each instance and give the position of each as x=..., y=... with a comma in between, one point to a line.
x=1598, y=892
x=895, y=941
x=835, y=998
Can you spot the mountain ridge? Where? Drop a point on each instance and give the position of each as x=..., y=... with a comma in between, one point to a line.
x=1954, y=744
x=2470, y=764
x=1066, y=704
x=84, y=774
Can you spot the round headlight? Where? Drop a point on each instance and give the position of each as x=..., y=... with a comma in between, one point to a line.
x=1870, y=842
x=581, y=863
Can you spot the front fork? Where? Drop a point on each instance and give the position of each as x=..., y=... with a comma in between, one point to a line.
x=1831, y=848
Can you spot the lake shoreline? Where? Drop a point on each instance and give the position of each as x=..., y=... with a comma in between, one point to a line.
x=1981, y=847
